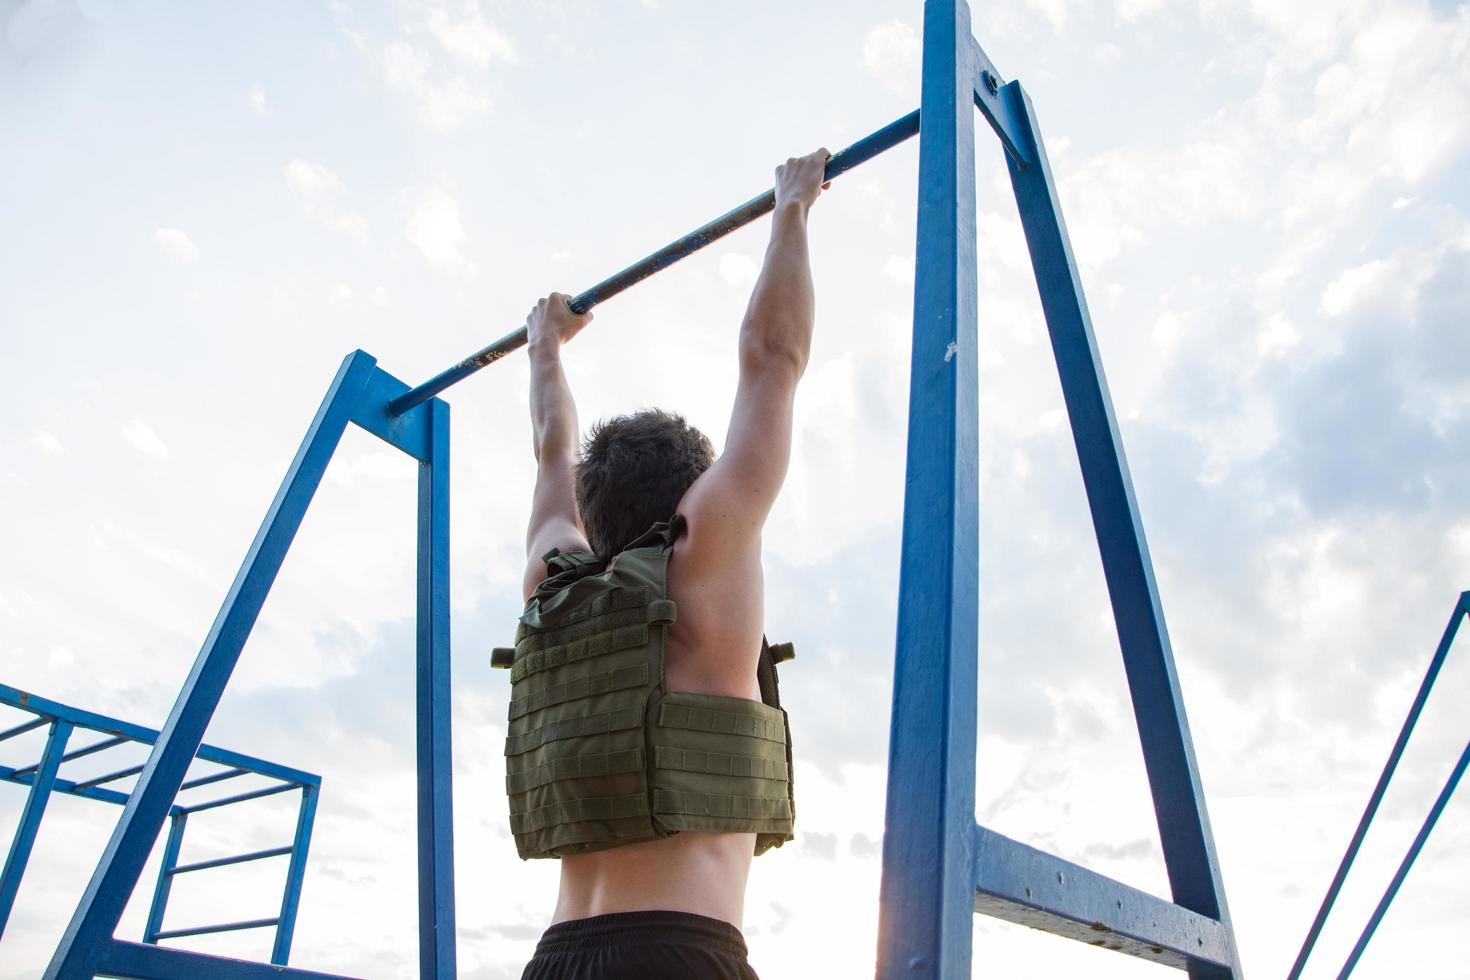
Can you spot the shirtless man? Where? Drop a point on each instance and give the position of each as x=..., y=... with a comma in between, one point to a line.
x=672, y=907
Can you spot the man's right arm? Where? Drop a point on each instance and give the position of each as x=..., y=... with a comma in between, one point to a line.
x=728, y=505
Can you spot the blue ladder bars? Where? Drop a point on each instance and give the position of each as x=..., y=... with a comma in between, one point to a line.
x=939, y=867
x=44, y=778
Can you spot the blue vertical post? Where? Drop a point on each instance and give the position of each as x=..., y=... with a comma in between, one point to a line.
x=165, y=884
x=435, y=770
x=30, y=816
x=295, y=874
x=90, y=931
x=928, y=889
x=1148, y=659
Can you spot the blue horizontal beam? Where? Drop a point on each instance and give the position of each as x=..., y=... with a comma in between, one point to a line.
x=31, y=725
x=1029, y=887
x=85, y=750
x=64, y=786
x=125, y=959
x=232, y=859
x=110, y=777
x=208, y=930
x=25, y=701
x=216, y=777
x=239, y=798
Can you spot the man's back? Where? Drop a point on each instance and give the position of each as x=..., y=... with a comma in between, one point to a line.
x=712, y=648
x=643, y=909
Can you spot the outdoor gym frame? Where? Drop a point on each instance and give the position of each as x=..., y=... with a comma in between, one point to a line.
x=44, y=777
x=939, y=866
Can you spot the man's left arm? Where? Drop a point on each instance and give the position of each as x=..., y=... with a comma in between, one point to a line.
x=555, y=522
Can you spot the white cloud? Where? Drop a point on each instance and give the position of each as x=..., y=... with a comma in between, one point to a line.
x=443, y=103
x=900, y=267
x=434, y=228
x=378, y=297
x=177, y=244
x=339, y=294
x=256, y=96
x=738, y=269
x=1278, y=336
x=1055, y=11
x=324, y=196
x=1344, y=292
x=142, y=438
x=469, y=38
x=47, y=443
x=892, y=53
x=442, y=60
x=1107, y=54
x=1132, y=10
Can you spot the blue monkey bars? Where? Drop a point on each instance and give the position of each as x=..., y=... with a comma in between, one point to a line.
x=1462, y=609
x=45, y=777
x=939, y=866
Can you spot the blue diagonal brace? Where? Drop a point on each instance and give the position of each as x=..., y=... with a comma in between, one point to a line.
x=1408, y=862
x=1441, y=652
x=89, y=934
x=1148, y=659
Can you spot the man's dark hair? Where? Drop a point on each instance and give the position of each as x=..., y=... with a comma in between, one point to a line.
x=632, y=473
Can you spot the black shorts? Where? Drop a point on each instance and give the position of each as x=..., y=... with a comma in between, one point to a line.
x=641, y=946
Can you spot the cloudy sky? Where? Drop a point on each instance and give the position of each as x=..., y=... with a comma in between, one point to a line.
x=203, y=207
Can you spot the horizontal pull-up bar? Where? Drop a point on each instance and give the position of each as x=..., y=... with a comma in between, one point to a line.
x=860, y=152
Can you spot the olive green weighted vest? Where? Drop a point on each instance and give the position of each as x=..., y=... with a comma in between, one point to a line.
x=598, y=752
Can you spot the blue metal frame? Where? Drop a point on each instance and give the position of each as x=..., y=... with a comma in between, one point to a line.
x=938, y=865
x=359, y=394
x=44, y=778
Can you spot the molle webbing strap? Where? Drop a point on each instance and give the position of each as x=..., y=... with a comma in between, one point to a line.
x=610, y=600
x=581, y=687
x=573, y=838
x=618, y=629
x=611, y=721
x=617, y=638
x=579, y=811
x=575, y=767
x=702, y=719
x=720, y=805
x=719, y=763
